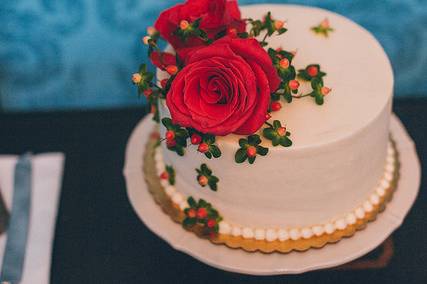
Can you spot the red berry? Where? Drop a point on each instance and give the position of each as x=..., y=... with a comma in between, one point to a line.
x=211, y=223
x=170, y=143
x=148, y=92
x=202, y=213
x=196, y=139
x=203, y=181
x=267, y=116
x=170, y=135
x=192, y=213
x=275, y=106
x=325, y=90
x=153, y=109
x=164, y=175
x=293, y=84
x=203, y=147
x=284, y=63
x=164, y=82
x=278, y=24
x=312, y=71
x=172, y=69
x=281, y=131
x=232, y=32
x=279, y=49
x=251, y=151
x=184, y=25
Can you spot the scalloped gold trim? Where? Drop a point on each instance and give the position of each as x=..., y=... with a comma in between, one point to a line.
x=252, y=245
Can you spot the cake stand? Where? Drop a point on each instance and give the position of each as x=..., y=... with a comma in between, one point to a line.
x=257, y=263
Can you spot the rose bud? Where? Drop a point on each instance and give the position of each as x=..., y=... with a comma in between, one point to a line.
x=148, y=92
x=312, y=71
x=172, y=69
x=281, y=131
x=293, y=85
x=164, y=175
x=232, y=32
x=251, y=151
x=203, y=181
x=191, y=213
x=284, y=63
x=203, y=147
x=151, y=31
x=170, y=143
x=325, y=24
x=146, y=40
x=278, y=24
x=136, y=78
x=202, y=213
x=183, y=25
x=325, y=90
x=211, y=223
x=163, y=83
x=275, y=106
x=196, y=139
x=170, y=135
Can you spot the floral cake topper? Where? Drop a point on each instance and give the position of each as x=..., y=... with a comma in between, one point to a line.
x=223, y=77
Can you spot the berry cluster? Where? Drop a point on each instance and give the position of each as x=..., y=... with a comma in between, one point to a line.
x=249, y=149
x=176, y=136
x=205, y=177
x=277, y=134
x=206, y=143
x=169, y=175
x=203, y=215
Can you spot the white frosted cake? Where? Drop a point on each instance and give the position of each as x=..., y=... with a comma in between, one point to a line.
x=341, y=162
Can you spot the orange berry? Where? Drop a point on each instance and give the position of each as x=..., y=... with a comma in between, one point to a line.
x=293, y=84
x=251, y=151
x=172, y=69
x=183, y=25
x=203, y=181
x=284, y=63
x=275, y=106
x=281, y=131
x=136, y=78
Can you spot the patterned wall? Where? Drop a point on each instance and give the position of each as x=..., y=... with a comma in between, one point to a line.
x=57, y=54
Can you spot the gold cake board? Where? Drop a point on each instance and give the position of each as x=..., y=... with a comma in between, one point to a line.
x=251, y=245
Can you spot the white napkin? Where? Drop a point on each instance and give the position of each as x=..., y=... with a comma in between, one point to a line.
x=46, y=187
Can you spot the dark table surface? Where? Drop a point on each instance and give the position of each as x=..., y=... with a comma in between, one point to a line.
x=99, y=239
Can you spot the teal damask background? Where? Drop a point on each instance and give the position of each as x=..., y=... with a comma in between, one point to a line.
x=65, y=54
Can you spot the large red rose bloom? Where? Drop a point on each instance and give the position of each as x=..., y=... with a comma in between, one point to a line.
x=216, y=16
x=224, y=88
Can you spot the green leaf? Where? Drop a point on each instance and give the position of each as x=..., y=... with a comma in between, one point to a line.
x=240, y=156
x=243, y=142
x=251, y=159
x=275, y=141
x=202, y=203
x=269, y=133
x=319, y=99
x=262, y=150
x=179, y=150
x=276, y=124
x=167, y=122
x=285, y=141
x=189, y=222
x=208, y=155
x=216, y=152
x=209, y=138
x=254, y=139
x=191, y=202
x=212, y=185
x=288, y=96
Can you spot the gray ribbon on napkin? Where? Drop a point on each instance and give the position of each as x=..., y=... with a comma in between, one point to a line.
x=17, y=233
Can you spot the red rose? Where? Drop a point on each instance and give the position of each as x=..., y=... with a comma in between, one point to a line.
x=224, y=88
x=216, y=16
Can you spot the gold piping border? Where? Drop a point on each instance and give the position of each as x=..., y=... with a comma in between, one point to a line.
x=252, y=245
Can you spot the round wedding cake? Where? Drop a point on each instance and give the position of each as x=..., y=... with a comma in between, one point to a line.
x=322, y=162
